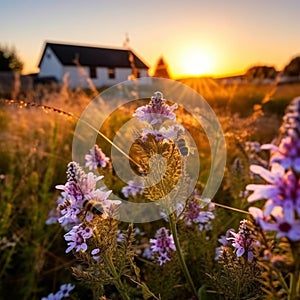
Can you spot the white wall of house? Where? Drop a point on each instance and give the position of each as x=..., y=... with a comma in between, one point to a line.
x=80, y=76
x=51, y=66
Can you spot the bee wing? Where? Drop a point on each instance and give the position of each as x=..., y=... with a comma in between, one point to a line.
x=115, y=202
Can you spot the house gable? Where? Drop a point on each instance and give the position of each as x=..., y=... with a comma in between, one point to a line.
x=50, y=65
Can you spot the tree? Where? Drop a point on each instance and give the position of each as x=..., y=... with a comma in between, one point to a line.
x=161, y=69
x=261, y=72
x=9, y=60
x=293, y=68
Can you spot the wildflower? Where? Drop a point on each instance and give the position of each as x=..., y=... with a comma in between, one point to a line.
x=96, y=158
x=133, y=188
x=162, y=245
x=120, y=236
x=137, y=231
x=169, y=133
x=51, y=296
x=194, y=214
x=65, y=289
x=78, y=188
x=95, y=255
x=244, y=241
x=148, y=254
x=76, y=238
x=157, y=111
x=285, y=227
x=64, y=292
x=282, y=196
x=79, y=184
x=223, y=239
x=281, y=212
x=288, y=153
x=53, y=216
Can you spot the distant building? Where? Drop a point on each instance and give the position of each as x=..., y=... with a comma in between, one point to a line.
x=161, y=69
x=84, y=65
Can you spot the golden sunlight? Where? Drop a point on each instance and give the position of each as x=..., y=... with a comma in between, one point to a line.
x=194, y=60
x=197, y=63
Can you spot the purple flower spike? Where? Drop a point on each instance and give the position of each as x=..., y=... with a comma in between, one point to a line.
x=162, y=245
x=281, y=211
x=157, y=111
x=96, y=159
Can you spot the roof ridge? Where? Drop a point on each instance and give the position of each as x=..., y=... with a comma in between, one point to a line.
x=93, y=55
x=87, y=45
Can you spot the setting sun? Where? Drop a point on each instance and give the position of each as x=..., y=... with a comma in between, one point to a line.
x=194, y=60
x=197, y=63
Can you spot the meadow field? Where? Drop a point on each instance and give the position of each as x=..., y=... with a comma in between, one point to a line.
x=203, y=256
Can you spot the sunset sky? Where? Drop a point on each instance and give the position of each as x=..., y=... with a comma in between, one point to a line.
x=194, y=36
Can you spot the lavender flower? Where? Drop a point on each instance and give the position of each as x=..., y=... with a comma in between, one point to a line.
x=194, y=214
x=281, y=211
x=76, y=238
x=148, y=254
x=133, y=188
x=79, y=188
x=244, y=241
x=52, y=296
x=120, y=236
x=96, y=158
x=157, y=111
x=223, y=239
x=53, y=216
x=287, y=153
x=65, y=289
x=278, y=222
x=162, y=245
x=95, y=254
x=63, y=292
x=169, y=133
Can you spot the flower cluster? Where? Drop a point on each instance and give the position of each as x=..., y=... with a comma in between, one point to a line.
x=78, y=204
x=225, y=242
x=64, y=292
x=244, y=241
x=161, y=119
x=157, y=111
x=133, y=188
x=77, y=236
x=163, y=245
x=80, y=187
x=197, y=211
x=96, y=159
x=281, y=212
x=195, y=214
x=170, y=132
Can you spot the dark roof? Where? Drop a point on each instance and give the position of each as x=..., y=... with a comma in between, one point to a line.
x=93, y=56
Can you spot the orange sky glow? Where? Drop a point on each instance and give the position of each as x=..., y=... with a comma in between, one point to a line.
x=212, y=38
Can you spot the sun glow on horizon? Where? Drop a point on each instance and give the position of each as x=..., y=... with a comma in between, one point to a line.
x=195, y=61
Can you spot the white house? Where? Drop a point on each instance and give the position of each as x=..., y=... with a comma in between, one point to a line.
x=84, y=65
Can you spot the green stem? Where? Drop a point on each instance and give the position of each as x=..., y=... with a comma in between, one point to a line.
x=117, y=280
x=294, y=288
x=183, y=265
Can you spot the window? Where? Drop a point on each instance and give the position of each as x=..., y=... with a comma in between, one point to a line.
x=111, y=73
x=93, y=72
